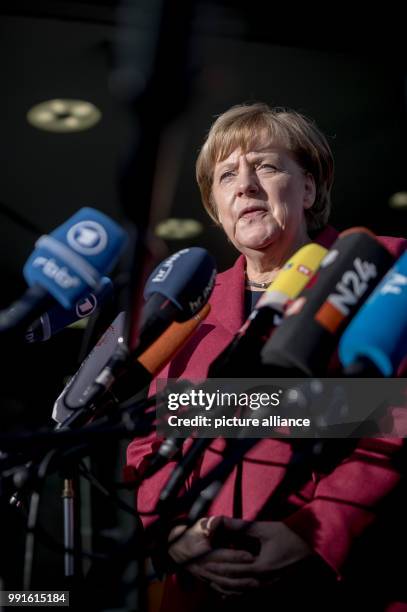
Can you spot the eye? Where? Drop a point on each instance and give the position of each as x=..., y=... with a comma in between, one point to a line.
x=226, y=175
x=267, y=167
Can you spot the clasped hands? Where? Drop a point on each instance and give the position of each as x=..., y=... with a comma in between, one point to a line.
x=231, y=571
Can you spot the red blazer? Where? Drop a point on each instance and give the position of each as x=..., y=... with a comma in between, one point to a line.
x=330, y=512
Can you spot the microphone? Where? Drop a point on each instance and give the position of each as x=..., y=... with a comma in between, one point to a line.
x=377, y=336
x=251, y=337
x=146, y=366
x=175, y=291
x=205, y=490
x=294, y=275
x=89, y=369
x=65, y=266
x=140, y=371
x=139, y=374
x=182, y=470
x=164, y=349
x=306, y=453
x=52, y=322
x=305, y=341
x=292, y=278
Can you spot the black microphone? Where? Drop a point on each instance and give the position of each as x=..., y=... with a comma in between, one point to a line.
x=139, y=371
x=305, y=341
x=289, y=282
x=182, y=471
x=177, y=289
x=295, y=274
x=204, y=492
x=190, y=459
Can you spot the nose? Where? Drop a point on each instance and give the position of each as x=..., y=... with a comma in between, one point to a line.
x=247, y=182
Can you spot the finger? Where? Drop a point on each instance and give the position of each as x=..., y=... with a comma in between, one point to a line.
x=203, y=523
x=201, y=526
x=235, y=524
x=220, y=555
x=232, y=584
x=222, y=584
x=225, y=593
x=229, y=555
x=176, y=534
x=232, y=570
x=213, y=523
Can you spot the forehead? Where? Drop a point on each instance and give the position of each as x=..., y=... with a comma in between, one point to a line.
x=249, y=140
x=258, y=150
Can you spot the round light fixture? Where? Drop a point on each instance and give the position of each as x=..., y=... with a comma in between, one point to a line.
x=398, y=200
x=64, y=115
x=178, y=229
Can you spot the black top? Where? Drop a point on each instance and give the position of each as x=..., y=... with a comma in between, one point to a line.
x=250, y=300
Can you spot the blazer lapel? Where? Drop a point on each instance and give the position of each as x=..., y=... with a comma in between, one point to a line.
x=228, y=297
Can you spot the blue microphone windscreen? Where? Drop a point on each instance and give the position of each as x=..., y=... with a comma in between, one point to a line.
x=379, y=331
x=186, y=279
x=58, y=317
x=71, y=260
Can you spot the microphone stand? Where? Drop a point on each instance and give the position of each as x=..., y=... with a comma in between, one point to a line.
x=73, y=572
x=143, y=81
x=53, y=441
x=69, y=529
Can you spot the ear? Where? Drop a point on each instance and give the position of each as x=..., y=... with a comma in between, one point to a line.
x=310, y=190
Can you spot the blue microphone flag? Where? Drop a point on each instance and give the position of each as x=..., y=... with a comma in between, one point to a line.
x=379, y=331
x=70, y=261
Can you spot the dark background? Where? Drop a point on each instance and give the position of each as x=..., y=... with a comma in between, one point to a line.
x=346, y=72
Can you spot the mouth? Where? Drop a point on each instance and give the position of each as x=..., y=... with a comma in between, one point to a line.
x=252, y=211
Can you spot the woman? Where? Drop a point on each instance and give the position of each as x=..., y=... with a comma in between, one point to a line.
x=265, y=176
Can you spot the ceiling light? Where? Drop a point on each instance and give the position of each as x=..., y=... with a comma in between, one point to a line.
x=64, y=115
x=178, y=229
x=83, y=109
x=44, y=116
x=398, y=200
x=58, y=106
x=71, y=122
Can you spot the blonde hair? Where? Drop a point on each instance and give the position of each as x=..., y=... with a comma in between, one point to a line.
x=242, y=126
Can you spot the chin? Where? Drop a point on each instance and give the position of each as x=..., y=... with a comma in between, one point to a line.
x=260, y=241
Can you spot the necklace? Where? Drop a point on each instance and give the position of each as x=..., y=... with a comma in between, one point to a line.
x=258, y=285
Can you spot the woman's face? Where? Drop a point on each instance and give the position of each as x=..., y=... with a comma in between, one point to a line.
x=261, y=197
